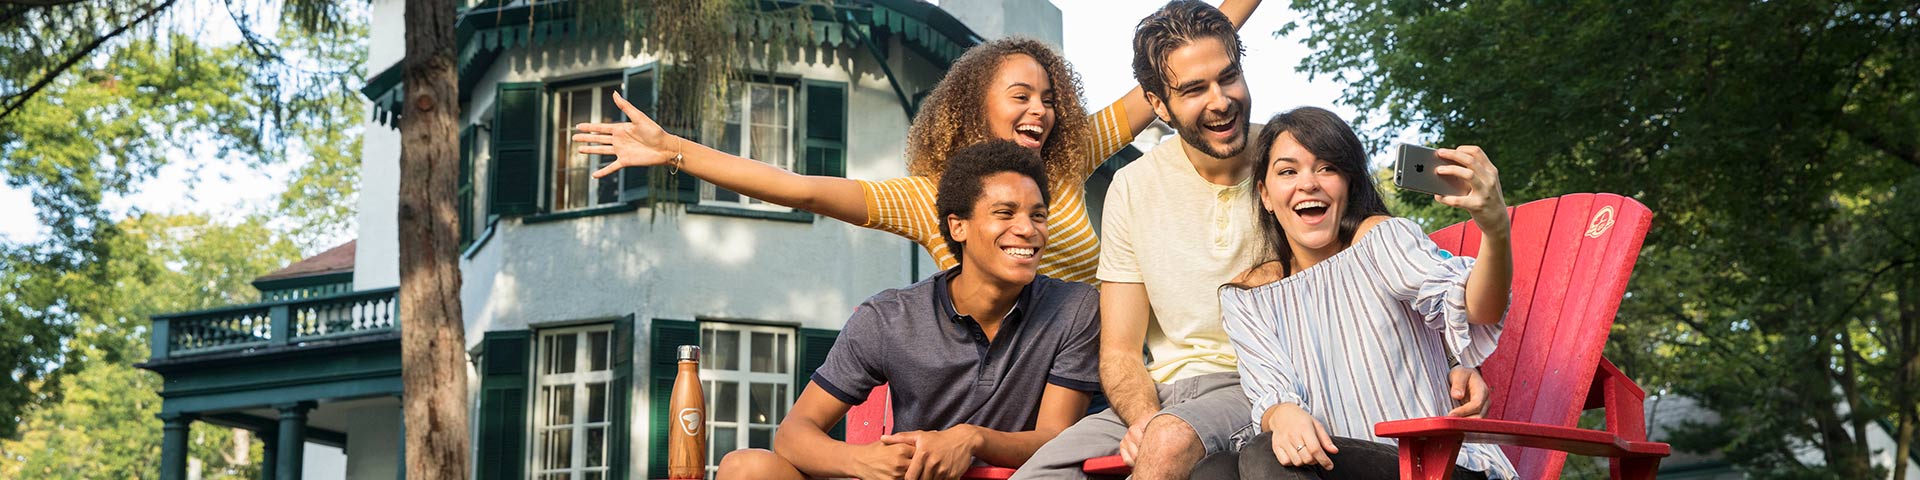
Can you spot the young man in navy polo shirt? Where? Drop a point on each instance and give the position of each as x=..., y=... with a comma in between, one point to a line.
x=986, y=360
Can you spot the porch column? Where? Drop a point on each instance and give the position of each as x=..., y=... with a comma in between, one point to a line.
x=293, y=439
x=269, y=455
x=173, y=445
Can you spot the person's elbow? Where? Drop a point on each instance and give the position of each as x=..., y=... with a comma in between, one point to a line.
x=1489, y=316
x=1114, y=360
x=794, y=429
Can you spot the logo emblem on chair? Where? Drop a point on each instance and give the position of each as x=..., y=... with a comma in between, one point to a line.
x=690, y=421
x=1602, y=221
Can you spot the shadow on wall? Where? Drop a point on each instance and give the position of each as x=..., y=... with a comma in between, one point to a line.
x=685, y=266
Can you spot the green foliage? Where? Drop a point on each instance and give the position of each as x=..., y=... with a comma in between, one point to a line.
x=1778, y=144
x=103, y=426
x=97, y=97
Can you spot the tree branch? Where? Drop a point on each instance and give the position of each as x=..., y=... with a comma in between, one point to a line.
x=20, y=99
x=1901, y=149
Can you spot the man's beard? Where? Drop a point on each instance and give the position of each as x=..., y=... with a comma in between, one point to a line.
x=1192, y=134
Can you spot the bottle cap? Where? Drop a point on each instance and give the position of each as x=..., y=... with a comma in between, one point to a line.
x=689, y=353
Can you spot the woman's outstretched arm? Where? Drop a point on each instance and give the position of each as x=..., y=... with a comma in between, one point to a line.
x=640, y=142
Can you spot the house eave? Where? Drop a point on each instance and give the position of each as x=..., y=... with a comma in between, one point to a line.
x=484, y=33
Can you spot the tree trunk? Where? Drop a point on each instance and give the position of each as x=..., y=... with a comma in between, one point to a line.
x=1908, y=331
x=433, y=343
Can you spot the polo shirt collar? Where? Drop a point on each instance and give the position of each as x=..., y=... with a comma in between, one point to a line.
x=943, y=300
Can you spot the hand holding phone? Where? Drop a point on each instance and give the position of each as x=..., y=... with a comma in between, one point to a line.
x=1415, y=170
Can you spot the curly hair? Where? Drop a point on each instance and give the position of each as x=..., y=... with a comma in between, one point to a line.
x=951, y=117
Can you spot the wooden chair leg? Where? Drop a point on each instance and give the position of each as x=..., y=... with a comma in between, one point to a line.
x=1634, y=468
x=1428, y=458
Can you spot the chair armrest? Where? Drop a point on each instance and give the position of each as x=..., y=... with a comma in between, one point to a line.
x=1503, y=432
x=1624, y=402
x=988, y=473
x=1107, y=465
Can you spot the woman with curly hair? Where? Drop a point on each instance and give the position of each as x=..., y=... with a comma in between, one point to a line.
x=1014, y=89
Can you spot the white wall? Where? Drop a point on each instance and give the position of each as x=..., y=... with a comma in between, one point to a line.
x=685, y=266
x=681, y=265
x=999, y=18
x=373, y=445
x=376, y=262
x=321, y=462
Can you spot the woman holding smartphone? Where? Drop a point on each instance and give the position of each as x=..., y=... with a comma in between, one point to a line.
x=1355, y=318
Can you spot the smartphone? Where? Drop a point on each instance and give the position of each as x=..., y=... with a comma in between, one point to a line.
x=1414, y=171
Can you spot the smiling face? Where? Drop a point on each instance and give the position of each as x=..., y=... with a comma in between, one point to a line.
x=1006, y=233
x=1019, y=103
x=1206, y=98
x=1306, y=195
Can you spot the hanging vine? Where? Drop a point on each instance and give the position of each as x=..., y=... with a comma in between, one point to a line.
x=705, y=48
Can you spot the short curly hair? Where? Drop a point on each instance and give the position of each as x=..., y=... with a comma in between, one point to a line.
x=965, y=178
x=1176, y=25
x=950, y=118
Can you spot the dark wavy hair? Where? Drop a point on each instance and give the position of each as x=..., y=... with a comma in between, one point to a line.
x=1176, y=25
x=966, y=169
x=950, y=117
x=1331, y=140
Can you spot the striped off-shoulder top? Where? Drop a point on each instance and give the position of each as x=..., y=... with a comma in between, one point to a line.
x=1363, y=337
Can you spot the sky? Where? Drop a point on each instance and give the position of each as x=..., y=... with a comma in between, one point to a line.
x=1097, y=34
x=203, y=184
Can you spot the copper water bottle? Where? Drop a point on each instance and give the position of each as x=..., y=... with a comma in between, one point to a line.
x=687, y=443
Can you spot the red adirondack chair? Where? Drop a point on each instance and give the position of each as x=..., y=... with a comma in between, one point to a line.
x=1572, y=257
x=869, y=420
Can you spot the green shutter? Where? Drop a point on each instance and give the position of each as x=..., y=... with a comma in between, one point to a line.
x=465, y=189
x=826, y=144
x=666, y=335
x=814, y=345
x=515, y=184
x=503, y=405
x=621, y=442
x=640, y=89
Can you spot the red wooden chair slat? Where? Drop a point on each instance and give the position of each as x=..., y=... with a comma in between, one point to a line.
x=1548, y=295
x=873, y=418
x=1529, y=239
x=869, y=420
x=1572, y=258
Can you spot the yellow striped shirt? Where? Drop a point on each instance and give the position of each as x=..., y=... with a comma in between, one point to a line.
x=904, y=207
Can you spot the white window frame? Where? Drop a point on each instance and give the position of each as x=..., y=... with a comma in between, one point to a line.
x=742, y=104
x=581, y=377
x=565, y=150
x=745, y=378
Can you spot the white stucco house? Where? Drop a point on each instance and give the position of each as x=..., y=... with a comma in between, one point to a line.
x=575, y=290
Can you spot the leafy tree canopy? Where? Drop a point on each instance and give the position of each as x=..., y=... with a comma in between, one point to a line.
x=1778, y=144
x=96, y=97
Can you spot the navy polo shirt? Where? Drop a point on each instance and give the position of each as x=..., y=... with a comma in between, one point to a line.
x=940, y=367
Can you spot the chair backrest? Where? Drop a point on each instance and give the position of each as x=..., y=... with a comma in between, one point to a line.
x=1572, y=257
x=869, y=420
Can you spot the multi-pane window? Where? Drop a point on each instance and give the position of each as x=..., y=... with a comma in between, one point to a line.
x=573, y=184
x=748, y=375
x=759, y=125
x=574, y=369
